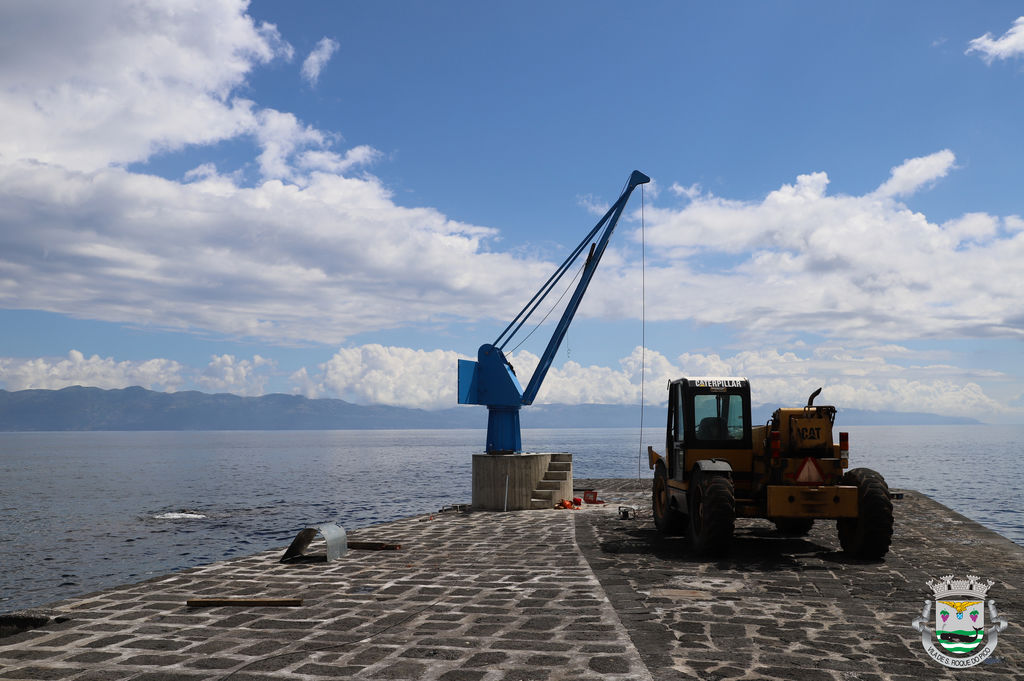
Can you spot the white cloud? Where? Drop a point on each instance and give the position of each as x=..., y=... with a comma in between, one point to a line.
x=863, y=378
x=915, y=173
x=203, y=171
x=376, y=374
x=976, y=227
x=335, y=257
x=328, y=161
x=133, y=79
x=593, y=205
x=100, y=372
x=1013, y=223
x=281, y=136
x=304, y=384
x=317, y=59
x=845, y=267
x=279, y=262
x=691, y=192
x=1010, y=44
x=309, y=255
x=129, y=78
x=226, y=373
x=850, y=380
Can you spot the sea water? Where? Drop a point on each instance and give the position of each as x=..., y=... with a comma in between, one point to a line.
x=82, y=511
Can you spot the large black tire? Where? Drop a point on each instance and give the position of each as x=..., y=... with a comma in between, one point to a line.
x=858, y=473
x=870, y=533
x=712, y=513
x=667, y=519
x=793, y=527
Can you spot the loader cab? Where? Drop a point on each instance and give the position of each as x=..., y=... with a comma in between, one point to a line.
x=706, y=414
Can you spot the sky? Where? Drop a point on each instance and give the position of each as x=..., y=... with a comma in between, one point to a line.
x=341, y=199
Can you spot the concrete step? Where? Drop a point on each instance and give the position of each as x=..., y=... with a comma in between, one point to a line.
x=556, y=475
x=560, y=466
x=543, y=494
x=541, y=504
x=562, y=458
x=549, y=484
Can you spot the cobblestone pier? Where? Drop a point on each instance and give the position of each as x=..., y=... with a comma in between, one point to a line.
x=543, y=595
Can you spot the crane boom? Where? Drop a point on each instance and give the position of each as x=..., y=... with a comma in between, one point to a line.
x=491, y=380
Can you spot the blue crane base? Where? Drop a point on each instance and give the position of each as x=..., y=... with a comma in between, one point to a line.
x=503, y=430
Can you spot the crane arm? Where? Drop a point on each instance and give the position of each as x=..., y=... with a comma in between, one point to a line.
x=491, y=381
x=609, y=221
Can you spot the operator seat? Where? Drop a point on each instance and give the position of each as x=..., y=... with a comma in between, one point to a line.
x=712, y=428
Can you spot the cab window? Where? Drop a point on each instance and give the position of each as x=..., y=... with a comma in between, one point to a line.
x=680, y=413
x=718, y=417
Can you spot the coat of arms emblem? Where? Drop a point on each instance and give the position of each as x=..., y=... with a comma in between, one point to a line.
x=961, y=639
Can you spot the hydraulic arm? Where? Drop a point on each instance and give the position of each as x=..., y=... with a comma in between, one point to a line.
x=491, y=381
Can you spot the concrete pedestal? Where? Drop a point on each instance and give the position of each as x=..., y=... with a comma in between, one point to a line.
x=533, y=480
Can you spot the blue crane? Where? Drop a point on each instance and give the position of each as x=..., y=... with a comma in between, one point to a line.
x=491, y=380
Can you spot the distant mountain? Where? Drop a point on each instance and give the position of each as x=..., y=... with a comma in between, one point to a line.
x=79, y=408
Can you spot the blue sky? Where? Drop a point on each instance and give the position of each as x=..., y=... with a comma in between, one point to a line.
x=341, y=199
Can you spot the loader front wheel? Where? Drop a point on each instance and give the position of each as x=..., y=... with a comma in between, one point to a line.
x=667, y=519
x=712, y=513
x=870, y=533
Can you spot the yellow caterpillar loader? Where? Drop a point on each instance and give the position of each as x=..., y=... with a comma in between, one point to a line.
x=718, y=467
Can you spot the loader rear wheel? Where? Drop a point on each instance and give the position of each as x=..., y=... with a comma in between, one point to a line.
x=667, y=519
x=861, y=473
x=870, y=533
x=793, y=527
x=712, y=513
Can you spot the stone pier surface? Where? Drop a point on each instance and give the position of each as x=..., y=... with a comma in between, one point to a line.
x=544, y=595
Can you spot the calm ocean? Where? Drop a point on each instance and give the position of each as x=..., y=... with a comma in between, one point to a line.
x=85, y=511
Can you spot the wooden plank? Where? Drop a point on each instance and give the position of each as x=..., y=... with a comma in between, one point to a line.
x=259, y=602
x=374, y=546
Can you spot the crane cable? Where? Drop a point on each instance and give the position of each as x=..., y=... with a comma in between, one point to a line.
x=643, y=329
x=575, y=277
